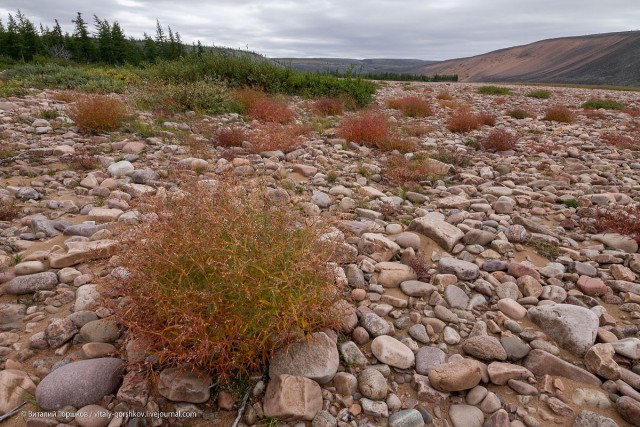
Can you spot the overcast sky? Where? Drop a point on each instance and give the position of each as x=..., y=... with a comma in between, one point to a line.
x=427, y=29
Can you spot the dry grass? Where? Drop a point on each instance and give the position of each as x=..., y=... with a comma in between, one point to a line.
x=84, y=162
x=273, y=136
x=402, y=171
x=499, y=140
x=230, y=137
x=559, y=113
x=519, y=113
x=220, y=279
x=9, y=210
x=411, y=106
x=367, y=127
x=328, y=107
x=271, y=110
x=246, y=97
x=98, y=113
x=487, y=119
x=416, y=129
x=444, y=95
x=620, y=141
x=463, y=120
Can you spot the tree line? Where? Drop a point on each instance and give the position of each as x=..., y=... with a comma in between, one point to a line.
x=22, y=41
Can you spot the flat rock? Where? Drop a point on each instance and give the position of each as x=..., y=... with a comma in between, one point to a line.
x=466, y=416
x=415, y=288
x=427, y=358
x=378, y=247
x=31, y=283
x=540, y=362
x=80, y=383
x=599, y=360
x=79, y=252
x=317, y=359
x=617, y=241
x=591, y=419
x=463, y=270
x=573, y=328
x=180, y=385
x=500, y=373
x=457, y=375
x=484, y=347
x=627, y=347
x=392, y=352
x=13, y=384
x=406, y=418
x=443, y=233
x=292, y=398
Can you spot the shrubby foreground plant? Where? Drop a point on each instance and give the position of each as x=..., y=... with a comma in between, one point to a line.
x=220, y=279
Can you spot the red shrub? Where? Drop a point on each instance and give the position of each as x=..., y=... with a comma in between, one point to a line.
x=230, y=137
x=559, y=113
x=444, y=95
x=411, y=106
x=277, y=137
x=328, y=107
x=620, y=141
x=622, y=220
x=368, y=127
x=487, y=119
x=271, y=110
x=98, y=113
x=246, y=97
x=463, y=120
x=499, y=140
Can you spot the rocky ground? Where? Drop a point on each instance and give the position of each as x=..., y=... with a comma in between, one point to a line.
x=519, y=314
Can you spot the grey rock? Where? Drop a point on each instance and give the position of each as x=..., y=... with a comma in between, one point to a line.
x=591, y=419
x=415, y=288
x=427, y=358
x=102, y=330
x=31, y=283
x=466, y=416
x=573, y=328
x=352, y=355
x=372, y=384
x=59, y=331
x=462, y=269
x=406, y=418
x=456, y=297
x=484, y=347
x=375, y=324
x=443, y=233
x=317, y=359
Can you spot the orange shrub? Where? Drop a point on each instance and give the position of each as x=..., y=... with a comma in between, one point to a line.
x=98, y=113
x=487, y=119
x=622, y=220
x=368, y=127
x=620, y=141
x=230, y=137
x=277, y=137
x=444, y=95
x=411, y=106
x=328, y=106
x=403, y=145
x=416, y=129
x=559, y=113
x=463, y=120
x=499, y=140
x=402, y=171
x=271, y=110
x=246, y=97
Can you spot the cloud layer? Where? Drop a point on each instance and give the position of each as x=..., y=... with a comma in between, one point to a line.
x=428, y=29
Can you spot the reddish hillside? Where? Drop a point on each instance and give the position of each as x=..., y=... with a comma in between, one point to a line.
x=612, y=58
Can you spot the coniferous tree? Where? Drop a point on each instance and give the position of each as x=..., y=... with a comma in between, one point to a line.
x=13, y=41
x=104, y=41
x=119, y=44
x=84, y=50
x=30, y=41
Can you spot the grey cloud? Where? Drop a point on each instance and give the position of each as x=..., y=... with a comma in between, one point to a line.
x=431, y=29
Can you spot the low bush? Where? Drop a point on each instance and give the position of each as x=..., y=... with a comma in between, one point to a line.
x=623, y=220
x=367, y=127
x=247, y=96
x=487, y=119
x=416, y=129
x=206, y=96
x=559, y=113
x=463, y=120
x=411, y=106
x=395, y=142
x=499, y=140
x=271, y=110
x=494, y=90
x=444, y=95
x=607, y=104
x=98, y=113
x=328, y=106
x=230, y=137
x=456, y=158
x=84, y=162
x=620, y=141
x=519, y=113
x=401, y=170
x=539, y=94
x=9, y=210
x=220, y=279
x=275, y=136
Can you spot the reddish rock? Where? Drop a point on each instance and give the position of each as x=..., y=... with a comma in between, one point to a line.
x=517, y=269
x=592, y=286
x=291, y=398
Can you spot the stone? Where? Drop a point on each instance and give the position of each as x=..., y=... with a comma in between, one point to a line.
x=391, y=274
x=324, y=419
x=484, y=347
x=443, y=233
x=135, y=389
x=119, y=169
x=87, y=297
x=427, y=358
x=512, y=308
x=13, y=384
x=93, y=416
x=292, y=398
x=529, y=286
x=516, y=348
x=377, y=247
x=553, y=293
x=11, y=313
x=466, y=416
x=29, y=267
x=317, y=359
x=374, y=409
x=559, y=407
x=456, y=297
x=79, y=252
x=94, y=350
x=180, y=385
x=500, y=373
x=478, y=237
x=79, y=383
x=392, y=352
x=591, y=419
x=592, y=286
x=491, y=403
x=517, y=269
x=599, y=360
x=351, y=354
x=627, y=347
x=523, y=388
x=31, y=283
x=346, y=384
x=59, y=331
x=406, y=418
x=101, y=330
x=573, y=328
x=104, y=214
x=415, y=288
x=375, y=325
x=320, y=199
x=372, y=384
x=517, y=234
x=419, y=333
x=457, y=375
x=617, y=241
x=463, y=270
x=590, y=397
x=540, y=362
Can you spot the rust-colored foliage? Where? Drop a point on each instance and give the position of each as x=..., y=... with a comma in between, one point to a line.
x=98, y=113
x=247, y=96
x=499, y=140
x=230, y=137
x=463, y=120
x=620, y=141
x=220, y=278
x=271, y=110
x=487, y=119
x=367, y=127
x=559, y=113
x=328, y=107
x=8, y=210
x=411, y=106
x=401, y=170
x=444, y=95
x=274, y=136
x=623, y=220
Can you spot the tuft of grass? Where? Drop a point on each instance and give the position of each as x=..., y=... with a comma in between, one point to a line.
x=230, y=137
x=463, y=120
x=98, y=113
x=367, y=127
x=271, y=110
x=48, y=114
x=539, y=94
x=456, y=158
x=607, y=104
x=84, y=162
x=411, y=106
x=494, y=90
x=487, y=119
x=546, y=249
x=9, y=210
x=274, y=136
x=221, y=278
x=559, y=113
x=571, y=203
x=620, y=141
x=519, y=113
x=444, y=95
x=328, y=106
x=416, y=129
x=499, y=140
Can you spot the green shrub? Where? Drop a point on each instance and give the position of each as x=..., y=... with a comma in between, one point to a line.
x=607, y=104
x=205, y=96
x=52, y=75
x=494, y=90
x=221, y=278
x=571, y=203
x=539, y=94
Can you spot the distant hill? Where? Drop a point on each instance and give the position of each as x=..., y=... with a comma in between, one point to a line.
x=612, y=59
x=359, y=66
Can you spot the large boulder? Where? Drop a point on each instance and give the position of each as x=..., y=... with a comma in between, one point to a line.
x=573, y=328
x=443, y=233
x=316, y=359
x=292, y=398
